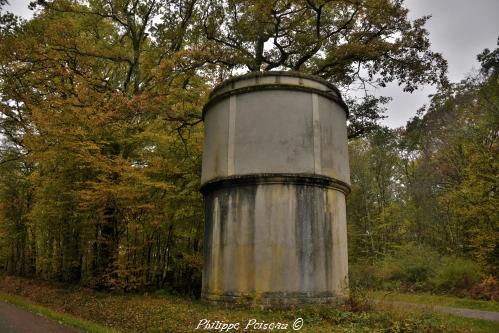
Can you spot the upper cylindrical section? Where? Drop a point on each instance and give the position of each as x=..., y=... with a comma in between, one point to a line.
x=275, y=80
x=275, y=123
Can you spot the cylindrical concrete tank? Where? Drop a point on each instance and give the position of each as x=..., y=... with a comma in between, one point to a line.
x=275, y=175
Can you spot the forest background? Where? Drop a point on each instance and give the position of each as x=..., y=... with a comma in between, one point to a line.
x=101, y=139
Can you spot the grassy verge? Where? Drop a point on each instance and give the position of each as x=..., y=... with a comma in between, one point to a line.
x=424, y=298
x=178, y=314
x=62, y=318
x=477, y=324
x=451, y=322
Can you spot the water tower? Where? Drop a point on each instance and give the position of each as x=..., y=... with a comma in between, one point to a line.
x=275, y=176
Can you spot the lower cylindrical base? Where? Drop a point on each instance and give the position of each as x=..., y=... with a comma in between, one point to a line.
x=275, y=243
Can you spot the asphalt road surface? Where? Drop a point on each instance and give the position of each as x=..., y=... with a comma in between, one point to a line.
x=16, y=320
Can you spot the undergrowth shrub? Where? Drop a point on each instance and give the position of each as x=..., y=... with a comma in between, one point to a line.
x=456, y=275
x=487, y=290
x=358, y=300
x=364, y=275
x=409, y=267
x=416, y=268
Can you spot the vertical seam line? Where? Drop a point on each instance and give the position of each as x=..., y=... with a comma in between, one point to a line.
x=231, y=135
x=317, y=134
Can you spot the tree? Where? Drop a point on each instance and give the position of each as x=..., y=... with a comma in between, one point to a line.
x=457, y=144
x=350, y=43
x=375, y=207
x=333, y=39
x=108, y=115
x=432, y=183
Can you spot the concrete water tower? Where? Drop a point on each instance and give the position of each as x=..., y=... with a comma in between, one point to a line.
x=275, y=176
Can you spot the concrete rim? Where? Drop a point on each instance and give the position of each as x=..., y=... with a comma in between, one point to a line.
x=250, y=75
x=271, y=178
x=216, y=95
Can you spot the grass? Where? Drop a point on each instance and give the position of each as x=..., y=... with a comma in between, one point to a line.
x=424, y=298
x=451, y=322
x=163, y=312
x=62, y=318
x=478, y=325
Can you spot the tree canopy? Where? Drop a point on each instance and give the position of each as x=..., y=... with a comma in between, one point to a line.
x=354, y=44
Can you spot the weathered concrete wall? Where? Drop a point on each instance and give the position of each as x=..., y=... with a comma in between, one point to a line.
x=275, y=174
x=275, y=130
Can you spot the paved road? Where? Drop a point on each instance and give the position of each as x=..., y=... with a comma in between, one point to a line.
x=15, y=320
x=461, y=312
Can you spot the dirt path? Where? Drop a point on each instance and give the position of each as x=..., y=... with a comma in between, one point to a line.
x=15, y=320
x=461, y=312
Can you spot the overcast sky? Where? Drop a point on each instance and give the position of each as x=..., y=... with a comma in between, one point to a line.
x=459, y=29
